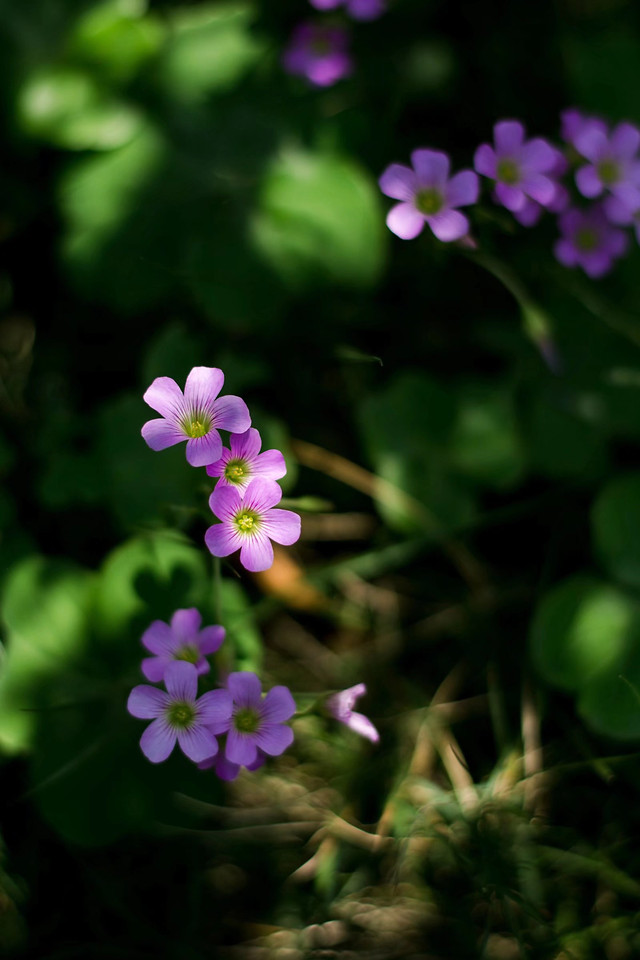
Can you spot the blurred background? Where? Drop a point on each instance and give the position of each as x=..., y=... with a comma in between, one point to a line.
x=463, y=426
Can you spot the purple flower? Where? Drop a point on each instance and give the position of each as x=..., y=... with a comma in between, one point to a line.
x=226, y=770
x=243, y=462
x=318, y=53
x=183, y=640
x=249, y=523
x=521, y=168
x=178, y=715
x=589, y=241
x=340, y=705
x=428, y=196
x=195, y=416
x=574, y=123
x=614, y=165
x=257, y=725
x=529, y=215
x=358, y=9
x=621, y=214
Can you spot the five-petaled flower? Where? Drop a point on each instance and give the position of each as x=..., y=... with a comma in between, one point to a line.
x=340, y=705
x=428, y=195
x=358, y=9
x=243, y=462
x=195, y=416
x=179, y=715
x=318, y=53
x=614, y=165
x=521, y=168
x=182, y=640
x=257, y=725
x=589, y=241
x=249, y=523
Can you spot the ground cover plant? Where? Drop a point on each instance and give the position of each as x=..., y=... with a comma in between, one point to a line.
x=320, y=502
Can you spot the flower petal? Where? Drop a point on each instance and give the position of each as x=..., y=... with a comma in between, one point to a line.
x=215, y=708
x=204, y=450
x=530, y=213
x=405, y=221
x=231, y=413
x=363, y=726
x=270, y=464
x=591, y=141
x=511, y=197
x=539, y=188
x=181, y=681
x=158, y=741
x=262, y=494
x=588, y=182
x=508, y=136
x=538, y=156
x=225, y=501
x=625, y=140
x=256, y=553
x=565, y=253
x=245, y=445
x=274, y=738
x=240, y=747
x=449, y=225
x=617, y=211
x=225, y=769
x=158, y=638
x=398, y=182
x=278, y=705
x=160, y=434
x=186, y=624
x=245, y=688
x=463, y=189
x=210, y=639
x=147, y=703
x=154, y=667
x=283, y=526
x=597, y=264
x=197, y=743
x=202, y=387
x=431, y=166
x=165, y=396
x=485, y=161
x=222, y=539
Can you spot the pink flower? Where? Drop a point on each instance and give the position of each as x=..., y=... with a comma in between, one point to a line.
x=340, y=705
x=249, y=523
x=243, y=462
x=183, y=640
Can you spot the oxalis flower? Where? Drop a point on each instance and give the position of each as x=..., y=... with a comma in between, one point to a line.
x=257, y=725
x=249, y=523
x=226, y=770
x=243, y=462
x=521, y=168
x=358, y=9
x=178, y=715
x=318, y=53
x=614, y=166
x=195, y=416
x=589, y=241
x=428, y=196
x=340, y=705
x=182, y=640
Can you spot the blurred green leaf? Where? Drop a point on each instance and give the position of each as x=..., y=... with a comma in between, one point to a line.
x=610, y=702
x=117, y=37
x=320, y=218
x=615, y=519
x=45, y=608
x=67, y=107
x=562, y=444
x=406, y=430
x=486, y=445
x=581, y=629
x=210, y=48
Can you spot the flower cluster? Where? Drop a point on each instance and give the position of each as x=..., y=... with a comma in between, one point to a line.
x=320, y=52
x=526, y=175
x=254, y=727
x=246, y=492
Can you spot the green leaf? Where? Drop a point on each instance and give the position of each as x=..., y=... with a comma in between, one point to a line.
x=116, y=38
x=562, y=444
x=610, y=702
x=615, y=520
x=581, y=629
x=45, y=608
x=486, y=444
x=210, y=48
x=406, y=430
x=320, y=218
x=67, y=107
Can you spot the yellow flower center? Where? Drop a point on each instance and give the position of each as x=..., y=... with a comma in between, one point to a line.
x=246, y=521
x=181, y=714
x=586, y=239
x=429, y=201
x=508, y=172
x=608, y=171
x=188, y=652
x=235, y=471
x=246, y=720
